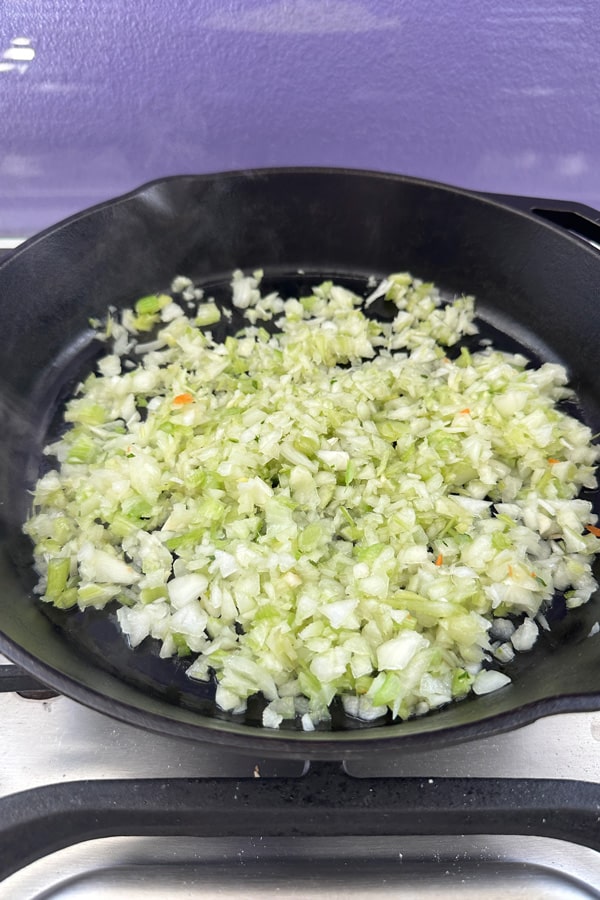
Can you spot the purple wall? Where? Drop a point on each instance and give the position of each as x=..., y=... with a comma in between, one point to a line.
x=98, y=98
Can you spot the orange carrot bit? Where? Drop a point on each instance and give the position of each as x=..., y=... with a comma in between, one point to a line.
x=510, y=571
x=465, y=411
x=594, y=529
x=182, y=399
x=552, y=460
x=439, y=560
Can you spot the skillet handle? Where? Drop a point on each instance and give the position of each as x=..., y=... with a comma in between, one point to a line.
x=578, y=219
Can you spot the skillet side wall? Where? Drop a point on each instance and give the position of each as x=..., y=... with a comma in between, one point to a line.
x=540, y=284
x=342, y=222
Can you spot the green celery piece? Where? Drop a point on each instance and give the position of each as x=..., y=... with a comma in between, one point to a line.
x=362, y=684
x=121, y=525
x=86, y=414
x=306, y=444
x=146, y=322
x=310, y=537
x=149, y=595
x=211, y=509
x=350, y=472
x=181, y=645
x=96, y=594
x=207, y=314
x=369, y=554
x=267, y=611
x=501, y=541
x=83, y=449
x=193, y=536
x=63, y=529
x=388, y=690
x=58, y=575
x=347, y=516
x=390, y=429
x=152, y=303
x=308, y=303
x=461, y=682
x=67, y=599
x=464, y=359
x=137, y=507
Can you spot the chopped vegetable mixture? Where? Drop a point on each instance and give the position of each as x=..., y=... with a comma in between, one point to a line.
x=327, y=506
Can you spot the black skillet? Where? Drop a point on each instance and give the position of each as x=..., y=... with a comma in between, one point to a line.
x=538, y=288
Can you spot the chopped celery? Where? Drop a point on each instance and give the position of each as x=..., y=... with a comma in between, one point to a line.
x=330, y=506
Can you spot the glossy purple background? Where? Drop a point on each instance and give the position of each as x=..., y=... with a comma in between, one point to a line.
x=493, y=95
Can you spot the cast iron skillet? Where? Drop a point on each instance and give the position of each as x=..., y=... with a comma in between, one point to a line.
x=537, y=285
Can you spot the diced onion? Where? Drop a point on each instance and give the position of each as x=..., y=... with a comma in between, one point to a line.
x=489, y=680
x=525, y=636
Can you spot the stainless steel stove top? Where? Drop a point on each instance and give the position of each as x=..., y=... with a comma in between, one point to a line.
x=59, y=742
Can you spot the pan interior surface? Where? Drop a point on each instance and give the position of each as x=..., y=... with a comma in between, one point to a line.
x=397, y=224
